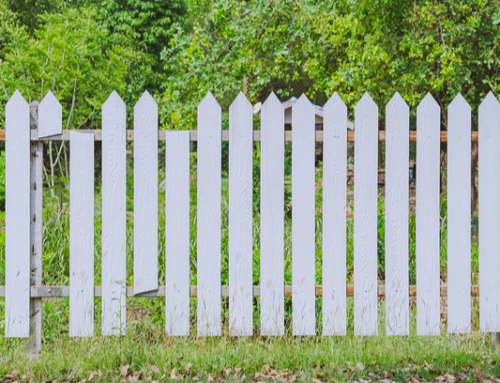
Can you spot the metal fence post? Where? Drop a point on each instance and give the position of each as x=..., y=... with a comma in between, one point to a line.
x=36, y=196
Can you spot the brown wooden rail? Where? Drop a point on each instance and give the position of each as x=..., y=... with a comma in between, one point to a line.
x=63, y=291
x=225, y=135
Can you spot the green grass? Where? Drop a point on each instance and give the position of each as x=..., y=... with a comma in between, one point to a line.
x=145, y=344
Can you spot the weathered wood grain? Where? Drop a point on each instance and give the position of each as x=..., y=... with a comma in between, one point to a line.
x=177, y=233
x=334, y=216
x=209, y=217
x=303, y=216
x=489, y=214
x=459, y=213
x=81, y=239
x=114, y=241
x=145, y=194
x=396, y=216
x=365, y=217
x=240, y=216
x=17, y=217
x=272, y=217
x=34, y=347
x=427, y=216
x=49, y=116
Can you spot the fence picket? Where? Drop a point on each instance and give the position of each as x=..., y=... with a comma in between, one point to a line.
x=427, y=216
x=459, y=212
x=209, y=217
x=240, y=216
x=334, y=216
x=114, y=240
x=272, y=216
x=145, y=194
x=17, y=217
x=49, y=116
x=81, y=261
x=396, y=216
x=303, y=217
x=365, y=217
x=177, y=233
x=489, y=214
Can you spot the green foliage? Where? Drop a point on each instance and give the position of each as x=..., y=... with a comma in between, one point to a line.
x=146, y=21
x=2, y=181
x=65, y=55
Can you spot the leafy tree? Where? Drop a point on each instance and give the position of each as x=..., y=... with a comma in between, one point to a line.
x=144, y=20
x=66, y=55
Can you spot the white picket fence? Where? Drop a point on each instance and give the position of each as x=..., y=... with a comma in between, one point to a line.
x=23, y=221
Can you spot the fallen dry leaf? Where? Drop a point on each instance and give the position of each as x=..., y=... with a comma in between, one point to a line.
x=479, y=374
x=91, y=376
x=188, y=366
x=155, y=369
x=450, y=378
x=359, y=366
x=210, y=378
x=316, y=380
x=227, y=371
x=388, y=375
x=124, y=370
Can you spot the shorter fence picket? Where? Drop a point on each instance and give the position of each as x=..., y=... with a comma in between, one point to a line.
x=145, y=194
x=177, y=233
x=81, y=260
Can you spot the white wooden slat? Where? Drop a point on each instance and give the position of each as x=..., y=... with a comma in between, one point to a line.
x=459, y=212
x=334, y=216
x=209, y=217
x=303, y=217
x=114, y=241
x=49, y=116
x=240, y=216
x=81, y=247
x=17, y=217
x=177, y=233
x=145, y=195
x=272, y=216
x=396, y=216
x=427, y=216
x=489, y=214
x=365, y=216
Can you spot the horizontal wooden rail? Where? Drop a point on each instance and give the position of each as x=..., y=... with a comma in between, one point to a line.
x=63, y=291
x=225, y=135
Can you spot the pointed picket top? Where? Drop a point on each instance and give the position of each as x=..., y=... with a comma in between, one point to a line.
x=145, y=102
x=490, y=102
x=16, y=99
x=146, y=98
x=208, y=101
x=114, y=99
x=458, y=102
x=240, y=102
x=272, y=101
x=428, y=102
x=366, y=102
x=301, y=110
x=334, y=100
x=397, y=101
x=49, y=116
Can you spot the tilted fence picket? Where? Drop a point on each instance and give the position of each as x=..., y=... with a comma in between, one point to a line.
x=24, y=291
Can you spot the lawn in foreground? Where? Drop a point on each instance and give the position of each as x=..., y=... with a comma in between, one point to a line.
x=145, y=353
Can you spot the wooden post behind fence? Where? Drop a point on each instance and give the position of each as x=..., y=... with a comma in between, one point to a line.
x=36, y=195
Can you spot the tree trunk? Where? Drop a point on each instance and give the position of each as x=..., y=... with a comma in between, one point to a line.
x=473, y=189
